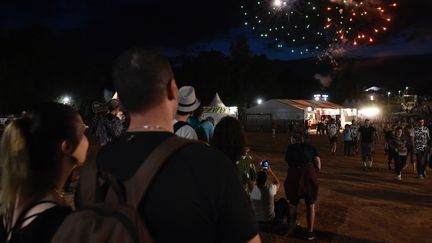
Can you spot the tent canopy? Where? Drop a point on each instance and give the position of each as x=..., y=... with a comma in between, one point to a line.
x=217, y=102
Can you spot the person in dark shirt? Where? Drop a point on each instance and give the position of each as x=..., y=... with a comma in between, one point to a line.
x=399, y=148
x=367, y=136
x=38, y=153
x=302, y=182
x=197, y=196
x=110, y=126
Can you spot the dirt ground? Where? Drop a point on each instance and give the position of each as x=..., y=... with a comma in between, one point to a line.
x=355, y=205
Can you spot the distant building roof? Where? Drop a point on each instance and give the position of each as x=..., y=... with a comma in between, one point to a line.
x=304, y=104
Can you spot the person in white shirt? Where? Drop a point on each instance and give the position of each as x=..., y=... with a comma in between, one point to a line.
x=266, y=209
x=188, y=103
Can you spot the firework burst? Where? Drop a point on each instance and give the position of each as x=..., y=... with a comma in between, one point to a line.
x=358, y=22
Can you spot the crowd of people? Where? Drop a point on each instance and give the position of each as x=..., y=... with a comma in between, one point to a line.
x=403, y=139
x=157, y=175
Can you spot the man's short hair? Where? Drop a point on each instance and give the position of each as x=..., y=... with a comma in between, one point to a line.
x=261, y=178
x=141, y=77
x=420, y=119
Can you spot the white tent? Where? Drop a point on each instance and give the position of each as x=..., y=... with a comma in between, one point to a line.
x=281, y=112
x=217, y=109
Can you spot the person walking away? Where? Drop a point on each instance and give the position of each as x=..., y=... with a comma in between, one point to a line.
x=110, y=125
x=399, y=148
x=367, y=136
x=333, y=132
x=348, y=140
x=208, y=126
x=302, y=181
x=421, y=141
x=229, y=138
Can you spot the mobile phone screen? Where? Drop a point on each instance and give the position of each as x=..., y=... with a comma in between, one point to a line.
x=265, y=165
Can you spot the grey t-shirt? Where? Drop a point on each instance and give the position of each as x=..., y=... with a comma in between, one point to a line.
x=262, y=200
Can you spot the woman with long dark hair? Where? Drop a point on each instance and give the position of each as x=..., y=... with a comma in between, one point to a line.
x=37, y=154
x=229, y=137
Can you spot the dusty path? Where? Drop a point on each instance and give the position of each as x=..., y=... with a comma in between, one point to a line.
x=354, y=205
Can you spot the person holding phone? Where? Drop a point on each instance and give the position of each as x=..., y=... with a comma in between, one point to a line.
x=266, y=209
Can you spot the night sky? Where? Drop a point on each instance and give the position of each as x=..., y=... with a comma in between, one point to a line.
x=186, y=27
x=58, y=47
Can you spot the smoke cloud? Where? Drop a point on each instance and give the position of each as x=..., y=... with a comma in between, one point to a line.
x=324, y=80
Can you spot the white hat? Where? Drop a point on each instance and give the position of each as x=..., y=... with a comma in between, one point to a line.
x=187, y=99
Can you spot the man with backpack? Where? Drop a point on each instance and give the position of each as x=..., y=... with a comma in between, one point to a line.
x=174, y=185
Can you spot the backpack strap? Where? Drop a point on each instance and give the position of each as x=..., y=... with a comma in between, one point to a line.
x=179, y=125
x=138, y=185
x=88, y=183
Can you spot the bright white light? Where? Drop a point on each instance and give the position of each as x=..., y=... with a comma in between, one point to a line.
x=309, y=109
x=369, y=111
x=372, y=98
x=259, y=101
x=277, y=3
x=388, y=93
x=66, y=100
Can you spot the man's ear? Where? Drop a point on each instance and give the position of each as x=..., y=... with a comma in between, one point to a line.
x=67, y=148
x=172, y=90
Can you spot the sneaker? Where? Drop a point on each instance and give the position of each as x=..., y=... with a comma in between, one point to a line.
x=421, y=177
x=310, y=236
x=399, y=177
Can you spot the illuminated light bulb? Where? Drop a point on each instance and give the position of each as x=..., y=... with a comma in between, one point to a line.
x=277, y=3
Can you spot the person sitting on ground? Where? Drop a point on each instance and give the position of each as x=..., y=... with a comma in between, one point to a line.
x=110, y=125
x=229, y=138
x=266, y=209
x=302, y=181
x=188, y=103
x=37, y=155
x=399, y=148
x=197, y=195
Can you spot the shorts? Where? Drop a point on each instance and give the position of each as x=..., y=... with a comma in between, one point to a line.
x=302, y=183
x=366, y=151
x=333, y=139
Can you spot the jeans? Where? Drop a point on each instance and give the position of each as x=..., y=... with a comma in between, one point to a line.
x=400, y=161
x=347, y=148
x=421, y=162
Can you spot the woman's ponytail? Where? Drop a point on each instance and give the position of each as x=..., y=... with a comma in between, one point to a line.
x=14, y=160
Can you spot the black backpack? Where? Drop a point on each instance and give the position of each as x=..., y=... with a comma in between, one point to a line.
x=202, y=135
x=107, y=215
